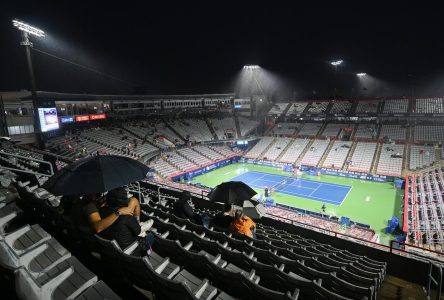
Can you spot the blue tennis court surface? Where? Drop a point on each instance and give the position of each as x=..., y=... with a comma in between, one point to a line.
x=303, y=188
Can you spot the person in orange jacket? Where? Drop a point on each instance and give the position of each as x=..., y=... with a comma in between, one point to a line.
x=243, y=224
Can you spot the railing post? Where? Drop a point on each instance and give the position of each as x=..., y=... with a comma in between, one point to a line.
x=439, y=285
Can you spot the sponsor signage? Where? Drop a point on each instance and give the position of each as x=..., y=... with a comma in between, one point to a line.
x=97, y=117
x=82, y=118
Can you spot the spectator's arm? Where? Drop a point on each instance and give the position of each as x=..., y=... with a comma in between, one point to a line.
x=100, y=224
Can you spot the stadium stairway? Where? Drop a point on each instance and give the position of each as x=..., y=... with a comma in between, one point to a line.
x=236, y=122
x=405, y=159
x=211, y=129
x=284, y=112
x=138, y=136
x=173, y=130
x=376, y=159
x=353, y=107
x=285, y=150
x=349, y=156
x=319, y=133
x=326, y=152
x=266, y=149
x=380, y=107
x=304, y=152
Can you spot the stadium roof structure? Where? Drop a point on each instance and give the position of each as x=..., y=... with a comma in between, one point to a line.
x=44, y=95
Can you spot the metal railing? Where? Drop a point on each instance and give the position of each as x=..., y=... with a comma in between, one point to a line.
x=435, y=280
x=51, y=170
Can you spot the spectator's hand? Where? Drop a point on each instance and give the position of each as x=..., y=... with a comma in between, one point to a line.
x=126, y=211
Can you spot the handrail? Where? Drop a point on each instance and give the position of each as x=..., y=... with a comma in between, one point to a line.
x=436, y=281
x=414, y=253
x=28, y=158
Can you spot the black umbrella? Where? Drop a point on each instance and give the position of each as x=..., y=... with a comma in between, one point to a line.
x=234, y=192
x=96, y=174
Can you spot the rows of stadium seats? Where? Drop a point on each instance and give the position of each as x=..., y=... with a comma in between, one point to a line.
x=222, y=126
x=190, y=260
x=278, y=108
x=310, y=129
x=297, y=108
x=260, y=147
x=429, y=106
x=247, y=126
x=341, y=107
x=33, y=260
x=173, y=162
x=285, y=129
x=164, y=168
x=366, y=131
x=293, y=152
x=333, y=129
x=365, y=107
x=394, y=132
x=337, y=155
x=421, y=156
x=314, y=154
x=426, y=209
x=429, y=133
x=115, y=139
x=317, y=107
x=194, y=156
x=195, y=129
x=208, y=152
x=362, y=157
x=396, y=106
x=390, y=160
x=277, y=261
x=277, y=148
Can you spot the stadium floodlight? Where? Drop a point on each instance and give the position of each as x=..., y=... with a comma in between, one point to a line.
x=336, y=62
x=28, y=28
x=251, y=67
x=361, y=74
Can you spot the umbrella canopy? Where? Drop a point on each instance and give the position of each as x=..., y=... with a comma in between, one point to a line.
x=96, y=174
x=254, y=209
x=234, y=192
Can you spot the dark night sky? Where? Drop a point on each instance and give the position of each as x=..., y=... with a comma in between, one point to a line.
x=166, y=47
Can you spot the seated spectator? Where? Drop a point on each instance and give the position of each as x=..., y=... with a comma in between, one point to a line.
x=182, y=208
x=126, y=229
x=243, y=224
x=223, y=220
x=91, y=210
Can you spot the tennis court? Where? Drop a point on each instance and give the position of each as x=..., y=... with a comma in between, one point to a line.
x=304, y=188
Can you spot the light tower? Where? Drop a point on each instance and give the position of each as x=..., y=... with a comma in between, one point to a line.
x=26, y=31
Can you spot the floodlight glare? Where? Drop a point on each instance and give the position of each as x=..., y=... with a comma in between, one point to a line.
x=337, y=62
x=251, y=67
x=28, y=28
x=361, y=74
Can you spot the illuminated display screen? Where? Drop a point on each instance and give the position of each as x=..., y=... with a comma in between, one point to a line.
x=67, y=119
x=48, y=119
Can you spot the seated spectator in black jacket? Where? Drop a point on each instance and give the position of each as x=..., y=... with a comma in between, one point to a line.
x=182, y=207
x=223, y=220
x=126, y=229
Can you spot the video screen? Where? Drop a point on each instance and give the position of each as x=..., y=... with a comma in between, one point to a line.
x=48, y=119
